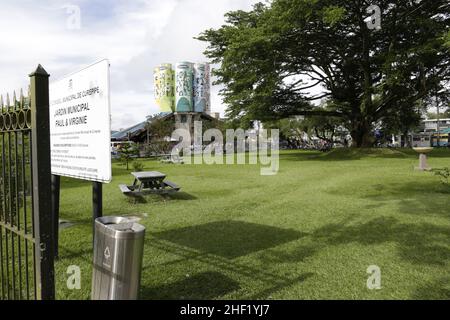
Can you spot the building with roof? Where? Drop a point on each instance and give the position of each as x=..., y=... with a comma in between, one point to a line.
x=138, y=133
x=431, y=125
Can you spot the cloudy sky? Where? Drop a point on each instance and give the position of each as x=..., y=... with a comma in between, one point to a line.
x=135, y=35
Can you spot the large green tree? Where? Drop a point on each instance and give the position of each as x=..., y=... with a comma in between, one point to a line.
x=272, y=57
x=159, y=130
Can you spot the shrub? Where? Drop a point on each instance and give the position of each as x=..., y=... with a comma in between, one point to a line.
x=443, y=173
x=127, y=152
x=138, y=166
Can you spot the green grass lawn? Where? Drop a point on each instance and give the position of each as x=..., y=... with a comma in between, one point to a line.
x=309, y=232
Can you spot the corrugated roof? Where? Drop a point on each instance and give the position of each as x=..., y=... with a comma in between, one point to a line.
x=130, y=132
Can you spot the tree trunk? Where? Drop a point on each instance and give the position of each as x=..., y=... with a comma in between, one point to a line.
x=362, y=136
x=407, y=142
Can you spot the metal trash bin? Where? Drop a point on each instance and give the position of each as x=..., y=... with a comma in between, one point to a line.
x=118, y=251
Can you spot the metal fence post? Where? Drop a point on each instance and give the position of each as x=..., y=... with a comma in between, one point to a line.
x=41, y=175
x=97, y=204
x=56, y=187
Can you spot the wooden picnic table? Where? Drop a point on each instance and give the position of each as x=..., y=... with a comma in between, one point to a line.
x=148, y=182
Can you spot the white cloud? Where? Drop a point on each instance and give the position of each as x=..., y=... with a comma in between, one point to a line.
x=135, y=36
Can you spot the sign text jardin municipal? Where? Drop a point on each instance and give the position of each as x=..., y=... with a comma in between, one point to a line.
x=80, y=124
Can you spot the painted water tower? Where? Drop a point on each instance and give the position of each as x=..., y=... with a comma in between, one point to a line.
x=184, y=81
x=164, y=87
x=202, y=100
x=185, y=89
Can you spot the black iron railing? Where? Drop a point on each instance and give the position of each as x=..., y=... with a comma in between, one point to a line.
x=26, y=245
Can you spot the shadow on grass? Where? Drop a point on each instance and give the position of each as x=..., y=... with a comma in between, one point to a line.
x=383, y=153
x=420, y=198
x=66, y=254
x=273, y=281
x=202, y=286
x=346, y=154
x=182, y=196
x=436, y=290
x=436, y=153
x=153, y=198
x=216, y=245
x=298, y=254
x=417, y=243
x=300, y=155
x=362, y=153
x=229, y=239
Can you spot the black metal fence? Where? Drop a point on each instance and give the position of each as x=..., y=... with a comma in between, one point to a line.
x=26, y=245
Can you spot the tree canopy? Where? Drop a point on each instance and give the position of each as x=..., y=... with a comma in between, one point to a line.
x=292, y=57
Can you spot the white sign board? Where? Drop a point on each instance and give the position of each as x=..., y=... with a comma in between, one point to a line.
x=80, y=124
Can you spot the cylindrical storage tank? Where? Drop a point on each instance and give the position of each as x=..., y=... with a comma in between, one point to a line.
x=164, y=87
x=157, y=87
x=201, y=87
x=208, y=87
x=167, y=99
x=184, y=79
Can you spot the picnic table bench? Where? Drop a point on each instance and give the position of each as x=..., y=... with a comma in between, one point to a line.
x=149, y=182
